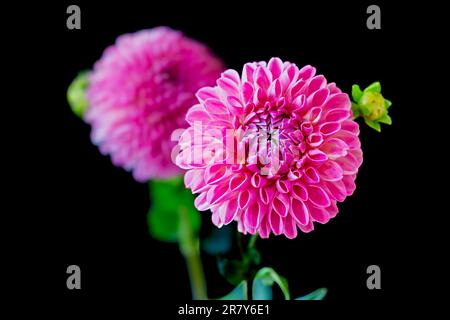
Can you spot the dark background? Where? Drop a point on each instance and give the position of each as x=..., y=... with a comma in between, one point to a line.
x=94, y=215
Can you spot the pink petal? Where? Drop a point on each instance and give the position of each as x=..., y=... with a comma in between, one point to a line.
x=338, y=101
x=197, y=113
x=276, y=67
x=331, y=171
x=236, y=106
x=316, y=83
x=337, y=115
x=336, y=190
x=319, y=97
x=245, y=198
x=299, y=192
x=319, y=214
x=283, y=186
x=350, y=139
x=228, y=86
x=247, y=92
x=231, y=211
x=349, y=164
x=333, y=210
x=311, y=175
x=201, y=203
x=306, y=72
x=349, y=183
x=248, y=72
x=193, y=179
x=281, y=204
x=329, y=128
x=262, y=78
x=275, y=222
x=215, y=107
x=206, y=93
x=314, y=114
x=252, y=216
x=266, y=194
x=308, y=227
x=215, y=173
x=351, y=126
x=315, y=139
x=264, y=228
x=317, y=156
x=334, y=148
x=257, y=180
x=290, y=228
x=296, y=89
x=299, y=211
x=232, y=75
x=275, y=89
x=238, y=182
x=217, y=193
x=318, y=196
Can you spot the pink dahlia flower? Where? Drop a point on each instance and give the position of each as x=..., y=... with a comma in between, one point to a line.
x=140, y=91
x=274, y=149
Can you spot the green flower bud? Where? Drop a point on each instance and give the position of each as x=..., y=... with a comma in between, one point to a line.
x=371, y=105
x=76, y=94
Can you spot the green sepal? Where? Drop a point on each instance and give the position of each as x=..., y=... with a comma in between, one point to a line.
x=387, y=103
x=374, y=87
x=386, y=119
x=374, y=125
x=355, y=110
x=356, y=93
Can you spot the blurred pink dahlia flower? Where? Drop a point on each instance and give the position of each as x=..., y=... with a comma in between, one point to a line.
x=140, y=91
x=274, y=149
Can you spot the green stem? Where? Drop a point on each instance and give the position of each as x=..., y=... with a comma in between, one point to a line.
x=190, y=248
x=252, y=241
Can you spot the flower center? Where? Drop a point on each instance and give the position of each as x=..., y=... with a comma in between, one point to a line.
x=278, y=140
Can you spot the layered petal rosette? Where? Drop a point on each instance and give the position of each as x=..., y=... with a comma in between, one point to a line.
x=274, y=149
x=140, y=91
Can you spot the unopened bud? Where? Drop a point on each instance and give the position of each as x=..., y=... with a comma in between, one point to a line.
x=76, y=94
x=371, y=105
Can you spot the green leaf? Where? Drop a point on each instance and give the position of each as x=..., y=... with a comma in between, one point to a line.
x=374, y=87
x=169, y=200
x=238, y=293
x=387, y=103
x=319, y=294
x=261, y=291
x=373, y=125
x=263, y=282
x=356, y=93
x=385, y=119
x=76, y=94
x=219, y=242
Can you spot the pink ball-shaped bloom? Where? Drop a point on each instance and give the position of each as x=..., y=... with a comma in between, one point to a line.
x=140, y=91
x=274, y=149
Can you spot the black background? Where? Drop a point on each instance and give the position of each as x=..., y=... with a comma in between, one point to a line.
x=94, y=215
